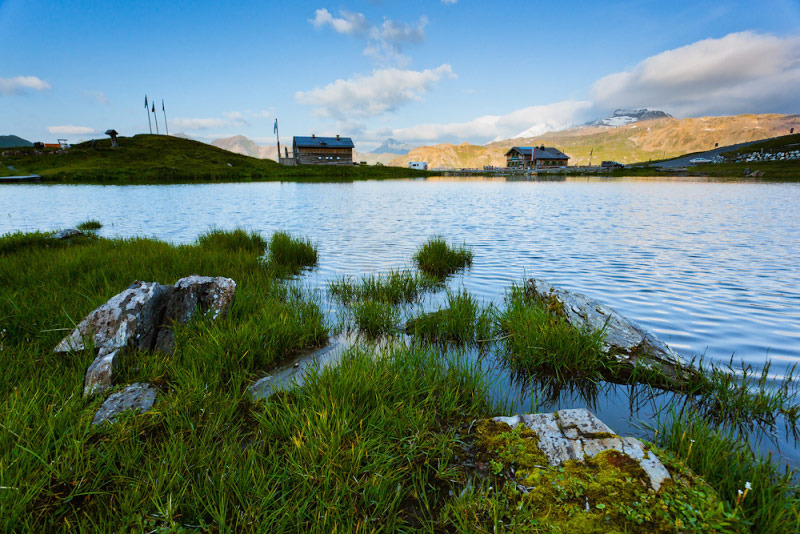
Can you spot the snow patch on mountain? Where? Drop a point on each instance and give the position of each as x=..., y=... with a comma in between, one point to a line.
x=621, y=117
x=392, y=146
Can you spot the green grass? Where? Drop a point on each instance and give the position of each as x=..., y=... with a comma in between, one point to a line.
x=375, y=317
x=60, y=473
x=291, y=253
x=160, y=159
x=780, y=171
x=437, y=259
x=89, y=225
x=396, y=287
x=539, y=342
x=723, y=458
x=463, y=321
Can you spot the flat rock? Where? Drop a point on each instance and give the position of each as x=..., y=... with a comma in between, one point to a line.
x=577, y=434
x=628, y=342
x=211, y=296
x=139, y=397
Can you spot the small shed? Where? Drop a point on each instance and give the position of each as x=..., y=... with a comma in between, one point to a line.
x=535, y=157
x=323, y=150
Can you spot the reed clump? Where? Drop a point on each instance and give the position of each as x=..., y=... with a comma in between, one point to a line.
x=290, y=253
x=395, y=287
x=90, y=225
x=438, y=259
x=541, y=343
x=462, y=321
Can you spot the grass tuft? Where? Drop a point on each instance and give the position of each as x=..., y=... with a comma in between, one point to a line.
x=232, y=240
x=90, y=225
x=463, y=321
x=541, y=343
x=291, y=254
x=438, y=259
x=375, y=318
x=395, y=287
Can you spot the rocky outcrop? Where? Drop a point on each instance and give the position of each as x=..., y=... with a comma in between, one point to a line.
x=204, y=294
x=139, y=397
x=577, y=434
x=627, y=342
x=136, y=319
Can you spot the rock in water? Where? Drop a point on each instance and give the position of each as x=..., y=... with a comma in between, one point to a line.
x=627, y=342
x=208, y=295
x=578, y=434
x=139, y=396
x=66, y=234
x=128, y=320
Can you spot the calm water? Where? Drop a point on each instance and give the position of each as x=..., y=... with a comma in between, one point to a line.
x=711, y=268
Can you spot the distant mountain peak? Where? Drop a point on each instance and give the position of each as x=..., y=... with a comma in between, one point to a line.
x=392, y=146
x=13, y=141
x=621, y=117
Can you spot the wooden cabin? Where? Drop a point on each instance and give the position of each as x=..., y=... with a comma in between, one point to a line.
x=535, y=157
x=323, y=150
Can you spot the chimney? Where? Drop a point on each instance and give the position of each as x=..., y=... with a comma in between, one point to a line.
x=337, y=137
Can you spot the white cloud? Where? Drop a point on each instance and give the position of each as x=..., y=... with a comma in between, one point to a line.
x=21, y=84
x=450, y=2
x=348, y=24
x=230, y=119
x=535, y=119
x=384, y=41
x=70, y=130
x=385, y=90
x=98, y=96
x=741, y=72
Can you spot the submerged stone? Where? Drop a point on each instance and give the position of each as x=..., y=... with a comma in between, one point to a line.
x=628, y=342
x=139, y=397
x=66, y=234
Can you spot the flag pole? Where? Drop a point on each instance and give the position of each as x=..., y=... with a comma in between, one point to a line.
x=278, y=137
x=147, y=109
x=165, y=115
x=155, y=117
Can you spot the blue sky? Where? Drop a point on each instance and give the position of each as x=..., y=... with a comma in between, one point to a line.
x=421, y=72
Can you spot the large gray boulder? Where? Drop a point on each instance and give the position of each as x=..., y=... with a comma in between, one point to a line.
x=204, y=294
x=627, y=342
x=136, y=318
x=139, y=397
x=129, y=320
x=577, y=434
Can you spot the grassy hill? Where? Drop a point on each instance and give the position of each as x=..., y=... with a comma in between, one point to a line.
x=166, y=159
x=7, y=141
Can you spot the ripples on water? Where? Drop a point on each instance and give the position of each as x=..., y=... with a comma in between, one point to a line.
x=711, y=268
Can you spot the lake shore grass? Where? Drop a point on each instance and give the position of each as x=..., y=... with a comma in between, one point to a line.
x=438, y=259
x=161, y=159
x=374, y=443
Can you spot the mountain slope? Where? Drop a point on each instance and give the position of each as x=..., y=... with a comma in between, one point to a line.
x=13, y=141
x=639, y=141
x=392, y=146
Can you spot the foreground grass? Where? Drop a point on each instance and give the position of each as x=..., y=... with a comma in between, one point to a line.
x=59, y=472
x=291, y=253
x=764, y=496
x=157, y=159
x=436, y=258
